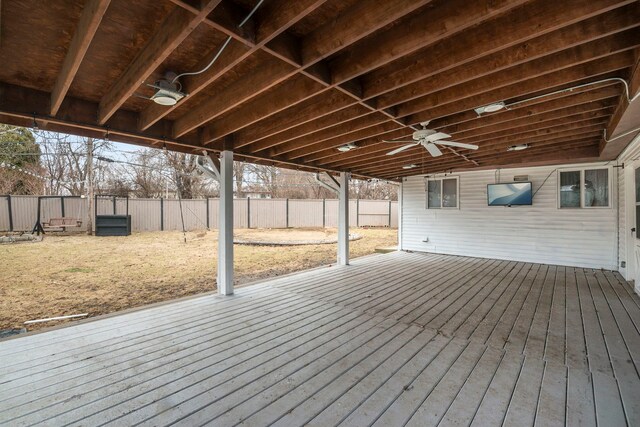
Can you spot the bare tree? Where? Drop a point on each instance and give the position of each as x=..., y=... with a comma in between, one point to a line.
x=66, y=161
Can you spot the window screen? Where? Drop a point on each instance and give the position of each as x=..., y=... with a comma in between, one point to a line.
x=570, y=189
x=596, y=187
x=449, y=193
x=433, y=192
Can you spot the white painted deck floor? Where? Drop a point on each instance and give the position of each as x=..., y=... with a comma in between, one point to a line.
x=392, y=340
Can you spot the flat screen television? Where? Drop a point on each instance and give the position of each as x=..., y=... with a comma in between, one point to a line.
x=509, y=194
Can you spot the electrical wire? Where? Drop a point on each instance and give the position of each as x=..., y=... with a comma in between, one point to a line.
x=222, y=48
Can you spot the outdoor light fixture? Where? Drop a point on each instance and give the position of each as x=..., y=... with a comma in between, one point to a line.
x=347, y=147
x=411, y=166
x=518, y=147
x=491, y=108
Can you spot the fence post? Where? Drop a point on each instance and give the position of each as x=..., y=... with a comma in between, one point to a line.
x=324, y=213
x=248, y=212
x=114, y=205
x=287, y=214
x=206, y=200
x=10, y=212
x=62, y=206
x=161, y=214
x=358, y=212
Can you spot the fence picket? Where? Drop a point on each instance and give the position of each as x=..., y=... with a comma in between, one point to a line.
x=159, y=214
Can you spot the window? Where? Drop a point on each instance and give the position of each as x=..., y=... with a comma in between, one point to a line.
x=584, y=188
x=442, y=193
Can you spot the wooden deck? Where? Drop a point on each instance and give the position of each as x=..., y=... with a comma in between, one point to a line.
x=395, y=339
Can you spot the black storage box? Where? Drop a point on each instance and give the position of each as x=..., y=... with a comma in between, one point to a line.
x=113, y=225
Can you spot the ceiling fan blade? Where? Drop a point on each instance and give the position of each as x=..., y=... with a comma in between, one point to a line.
x=458, y=144
x=437, y=136
x=391, y=141
x=433, y=149
x=397, y=150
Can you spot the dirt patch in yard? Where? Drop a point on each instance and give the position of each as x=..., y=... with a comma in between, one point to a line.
x=65, y=275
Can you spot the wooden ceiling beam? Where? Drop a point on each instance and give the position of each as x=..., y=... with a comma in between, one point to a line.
x=590, y=97
x=371, y=16
x=547, y=56
x=626, y=117
x=427, y=162
x=470, y=120
x=380, y=148
x=378, y=129
x=448, y=160
x=534, y=26
x=358, y=124
x=544, y=134
x=273, y=22
x=348, y=114
x=578, y=33
x=171, y=32
x=291, y=91
x=20, y=105
x=307, y=112
x=605, y=48
x=303, y=146
x=88, y=24
x=593, y=8
x=521, y=127
x=357, y=22
x=322, y=42
x=414, y=32
x=588, y=72
x=560, y=77
x=245, y=87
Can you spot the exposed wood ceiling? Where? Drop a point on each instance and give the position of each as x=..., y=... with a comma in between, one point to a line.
x=301, y=78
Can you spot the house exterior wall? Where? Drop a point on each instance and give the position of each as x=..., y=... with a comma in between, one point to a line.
x=627, y=206
x=586, y=237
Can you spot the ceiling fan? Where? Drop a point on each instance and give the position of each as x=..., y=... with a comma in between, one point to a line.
x=429, y=139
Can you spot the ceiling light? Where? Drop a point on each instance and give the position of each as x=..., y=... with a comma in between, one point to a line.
x=491, y=108
x=167, y=92
x=411, y=166
x=347, y=147
x=518, y=147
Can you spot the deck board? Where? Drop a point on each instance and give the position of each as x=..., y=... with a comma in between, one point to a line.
x=394, y=339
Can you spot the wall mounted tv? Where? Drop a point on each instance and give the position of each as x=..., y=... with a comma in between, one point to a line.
x=509, y=194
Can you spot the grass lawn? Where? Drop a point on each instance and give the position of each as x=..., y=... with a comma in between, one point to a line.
x=97, y=275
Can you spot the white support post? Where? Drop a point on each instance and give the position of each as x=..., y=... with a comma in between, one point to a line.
x=400, y=218
x=225, y=231
x=343, y=219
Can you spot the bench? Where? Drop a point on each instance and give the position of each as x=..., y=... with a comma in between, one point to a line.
x=61, y=224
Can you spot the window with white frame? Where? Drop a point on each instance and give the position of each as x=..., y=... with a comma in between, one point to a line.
x=442, y=193
x=584, y=188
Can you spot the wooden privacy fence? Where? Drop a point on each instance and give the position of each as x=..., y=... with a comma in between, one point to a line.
x=19, y=213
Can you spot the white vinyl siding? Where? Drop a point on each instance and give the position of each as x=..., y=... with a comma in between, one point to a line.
x=624, y=225
x=538, y=233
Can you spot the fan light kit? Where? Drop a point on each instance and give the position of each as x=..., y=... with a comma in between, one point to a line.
x=518, y=147
x=411, y=166
x=347, y=147
x=491, y=108
x=429, y=139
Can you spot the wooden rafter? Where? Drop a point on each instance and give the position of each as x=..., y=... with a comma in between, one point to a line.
x=90, y=19
x=299, y=79
x=171, y=32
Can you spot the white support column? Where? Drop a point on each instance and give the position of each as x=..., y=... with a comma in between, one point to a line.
x=400, y=218
x=343, y=219
x=225, y=230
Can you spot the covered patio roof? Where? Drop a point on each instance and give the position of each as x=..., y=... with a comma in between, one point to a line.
x=300, y=78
